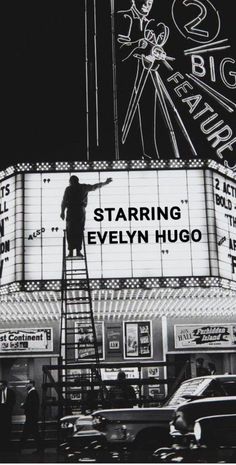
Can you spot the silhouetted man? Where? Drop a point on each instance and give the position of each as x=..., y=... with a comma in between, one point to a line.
x=75, y=200
x=211, y=368
x=31, y=408
x=200, y=368
x=7, y=401
x=122, y=395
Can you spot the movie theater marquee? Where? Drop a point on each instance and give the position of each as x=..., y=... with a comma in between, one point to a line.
x=146, y=223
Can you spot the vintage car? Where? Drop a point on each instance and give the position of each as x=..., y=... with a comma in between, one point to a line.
x=202, y=431
x=139, y=431
x=70, y=425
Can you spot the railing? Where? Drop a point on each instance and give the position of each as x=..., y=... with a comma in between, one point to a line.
x=80, y=383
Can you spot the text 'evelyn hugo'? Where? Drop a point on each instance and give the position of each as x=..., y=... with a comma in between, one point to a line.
x=132, y=214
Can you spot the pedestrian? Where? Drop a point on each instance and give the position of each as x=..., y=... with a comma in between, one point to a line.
x=122, y=395
x=200, y=368
x=75, y=200
x=31, y=408
x=211, y=368
x=7, y=401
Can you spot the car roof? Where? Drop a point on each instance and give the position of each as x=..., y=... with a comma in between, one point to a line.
x=213, y=399
x=218, y=377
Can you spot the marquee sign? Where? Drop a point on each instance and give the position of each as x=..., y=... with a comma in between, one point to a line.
x=7, y=229
x=206, y=335
x=142, y=224
x=26, y=340
x=174, y=93
x=225, y=206
x=147, y=223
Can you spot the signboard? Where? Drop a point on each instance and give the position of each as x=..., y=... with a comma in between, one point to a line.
x=114, y=340
x=138, y=339
x=225, y=217
x=145, y=223
x=83, y=336
x=110, y=374
x=155, y=391
x=176, y=80
x=8, y=221
x=26, y=340
x=189, y=46
x=202, y=336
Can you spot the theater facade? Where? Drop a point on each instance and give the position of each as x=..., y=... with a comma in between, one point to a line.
x=161, y=250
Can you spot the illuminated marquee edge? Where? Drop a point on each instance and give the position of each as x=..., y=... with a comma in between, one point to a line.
x=120, y=283
x=120, y=165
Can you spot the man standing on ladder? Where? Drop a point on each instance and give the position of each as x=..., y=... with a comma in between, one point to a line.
x=75, y=200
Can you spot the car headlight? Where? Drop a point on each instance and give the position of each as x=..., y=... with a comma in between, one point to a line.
x=180, y=422
x=172, y=428
x=67, y=424
x=197, y=431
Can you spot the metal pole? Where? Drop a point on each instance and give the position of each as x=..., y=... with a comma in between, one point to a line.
x=114, y=81
x=86, y=75
x=96, y=70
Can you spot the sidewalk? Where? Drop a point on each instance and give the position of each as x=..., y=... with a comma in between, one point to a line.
x=30, y=456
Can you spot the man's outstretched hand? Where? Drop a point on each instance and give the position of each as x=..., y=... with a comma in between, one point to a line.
x=109, y=180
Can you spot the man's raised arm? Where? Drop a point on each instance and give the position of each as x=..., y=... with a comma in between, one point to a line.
x=100, y=184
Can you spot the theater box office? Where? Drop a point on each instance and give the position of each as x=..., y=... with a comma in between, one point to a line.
x=160, y=243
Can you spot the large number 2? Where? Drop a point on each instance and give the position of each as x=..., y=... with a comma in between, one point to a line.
x=205, y=26
x=191, y=27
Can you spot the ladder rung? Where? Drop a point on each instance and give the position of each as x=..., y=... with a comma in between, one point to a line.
x=77, y=303
x=79, y=344
x=72, y=276
x=73, y=310
x=71, y=270
x=82, y=321
x=81, y=326
x=73, y=333
x=74, y=287
x=76, y=334
x=73, y=360
x=74, y=273
x=76, y=319
x=74, y=258
x=78, y=298
x=74, y=270
x=76, y=313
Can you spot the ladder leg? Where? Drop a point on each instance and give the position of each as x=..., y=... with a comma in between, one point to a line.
x=78, y=330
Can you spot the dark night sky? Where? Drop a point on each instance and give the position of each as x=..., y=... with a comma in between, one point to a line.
x=43, y=110
x=42, y=80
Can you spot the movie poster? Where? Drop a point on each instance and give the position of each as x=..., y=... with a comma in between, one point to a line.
x=137, y=340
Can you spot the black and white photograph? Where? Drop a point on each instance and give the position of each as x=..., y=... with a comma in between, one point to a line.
x=118, y=232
